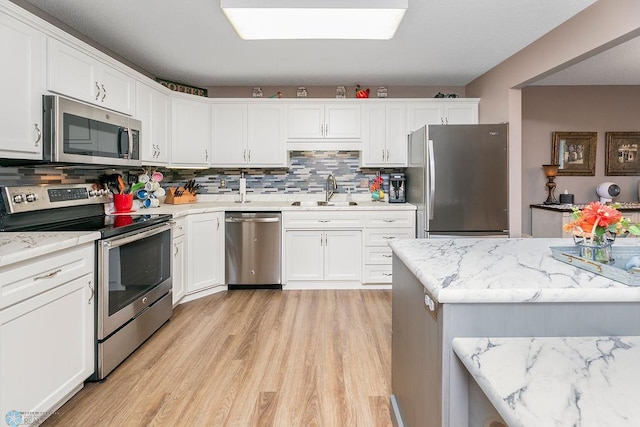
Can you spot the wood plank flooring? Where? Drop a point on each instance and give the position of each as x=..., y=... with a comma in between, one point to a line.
x=253, y=358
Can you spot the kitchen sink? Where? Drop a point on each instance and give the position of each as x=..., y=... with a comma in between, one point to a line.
x=322, y=203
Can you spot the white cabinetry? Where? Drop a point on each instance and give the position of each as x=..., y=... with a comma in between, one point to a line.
x=442, y=112
x=76, y=74
x=153, y=109
x=381, y=228
x=331, y=120
x=22, y=83
x=46, y=330
x=190, y=132
x=249, y=135
x=384, y=135
x=205, y=251
x=178, y=270
x=322, y=246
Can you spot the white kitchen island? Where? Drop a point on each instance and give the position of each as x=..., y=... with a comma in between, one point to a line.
x=447, y=289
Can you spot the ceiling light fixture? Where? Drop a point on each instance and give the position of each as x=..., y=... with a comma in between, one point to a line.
x=314, y=19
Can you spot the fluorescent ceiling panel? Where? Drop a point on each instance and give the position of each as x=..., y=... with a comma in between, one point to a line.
x=315, y=19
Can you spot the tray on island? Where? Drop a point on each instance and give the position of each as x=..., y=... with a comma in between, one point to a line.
x=614, y=271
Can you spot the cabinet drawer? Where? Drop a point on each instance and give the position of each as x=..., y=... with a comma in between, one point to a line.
x=179, y=227
x=377, y=274
x=321, y=220
x=390, y=219
x=378, y=255
x=382, y=236
x=34, y=276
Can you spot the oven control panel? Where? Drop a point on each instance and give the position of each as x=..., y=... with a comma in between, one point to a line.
x=39, y=197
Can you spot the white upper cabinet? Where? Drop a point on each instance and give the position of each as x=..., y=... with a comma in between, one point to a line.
x=22, y=83
x=330, y=120
x=74, y=73
x=456, y=111
x=153, y=109
x=248, y=135
x=384, y=135
x=190, y=132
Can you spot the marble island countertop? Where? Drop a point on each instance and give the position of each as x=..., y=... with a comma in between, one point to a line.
x=17, y=247
x=506, y=270
x=569, y=381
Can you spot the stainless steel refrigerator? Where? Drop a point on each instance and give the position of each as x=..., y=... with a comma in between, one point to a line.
x=457, y=177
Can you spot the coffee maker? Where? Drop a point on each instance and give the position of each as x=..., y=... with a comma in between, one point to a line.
x=397, y=187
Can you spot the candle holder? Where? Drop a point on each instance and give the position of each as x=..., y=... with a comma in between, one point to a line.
x=551, y=171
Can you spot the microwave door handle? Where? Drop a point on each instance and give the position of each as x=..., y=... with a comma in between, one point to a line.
x=432, y=178
x=130, y=133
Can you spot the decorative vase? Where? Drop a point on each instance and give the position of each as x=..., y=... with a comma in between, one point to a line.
x=599, y=249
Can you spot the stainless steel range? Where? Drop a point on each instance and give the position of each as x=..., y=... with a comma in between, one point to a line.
x=133, y=260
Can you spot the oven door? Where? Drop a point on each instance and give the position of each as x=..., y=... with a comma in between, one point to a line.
x=134, y=271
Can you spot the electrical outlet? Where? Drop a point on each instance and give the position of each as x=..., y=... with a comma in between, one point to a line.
x=223, y=183
x=364, y=183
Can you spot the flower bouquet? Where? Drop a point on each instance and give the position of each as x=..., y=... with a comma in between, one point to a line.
x=595, y=228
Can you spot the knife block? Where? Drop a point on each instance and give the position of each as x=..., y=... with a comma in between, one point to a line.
x=184, y=198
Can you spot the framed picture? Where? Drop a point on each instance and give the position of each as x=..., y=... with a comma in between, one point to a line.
x=575, y=153
x=621, y=155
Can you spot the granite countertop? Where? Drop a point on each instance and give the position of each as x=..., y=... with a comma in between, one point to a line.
x=569, y=381
x=16, y=247
x=506, y=270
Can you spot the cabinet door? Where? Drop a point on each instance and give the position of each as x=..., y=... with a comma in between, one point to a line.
x=229, y=134
x=190, y=133
x=72, y=72
x=424, y=113
x=304, y=255
x=374, y=150
x=205, y=253
x=153, y=110
x=396, y=135
x=343, y=255
x=116, y=90
x=178, y=269
x=22, y=85
x=47, y=347
x=460, y=113
x=342, y=121
x=266, y=135
x=306, y=121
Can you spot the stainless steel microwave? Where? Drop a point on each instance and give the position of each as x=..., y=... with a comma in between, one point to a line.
x=77, y=133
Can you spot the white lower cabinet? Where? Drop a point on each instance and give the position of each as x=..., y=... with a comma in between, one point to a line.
x=315, y=255
x=205, y=251
x=46, y=332
x=178, y=270
x=381, y=229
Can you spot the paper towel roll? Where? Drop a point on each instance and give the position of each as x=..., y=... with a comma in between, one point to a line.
x=243, y=186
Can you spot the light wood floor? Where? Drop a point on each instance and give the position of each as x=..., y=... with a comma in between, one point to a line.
x=253, y=358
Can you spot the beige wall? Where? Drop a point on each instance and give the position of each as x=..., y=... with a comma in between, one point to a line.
x=546, y=109
x=330, y=91
x=604, y=24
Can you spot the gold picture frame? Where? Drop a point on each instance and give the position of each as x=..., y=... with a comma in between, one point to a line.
x=575, y=153
x=621, y=154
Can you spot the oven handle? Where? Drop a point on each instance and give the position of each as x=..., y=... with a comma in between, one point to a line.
x=119, y=240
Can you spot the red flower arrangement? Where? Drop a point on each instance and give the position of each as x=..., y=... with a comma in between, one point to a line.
x=597, y=222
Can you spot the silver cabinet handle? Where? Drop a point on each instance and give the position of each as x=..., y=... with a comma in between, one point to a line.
x=387, y=256
x=388, y=220
x=176, y=250
x=324, y=220
x=93, y=293
x=387, y=155
x=244, y=155
x=388, y=237
x=249, y=157
x=218, y=224
x=326, y=129
x=206, y=155
x=383, y=155
x=38, y=133
x=322, y=129
x=98, y=92
x=104, y=93
x=386, y=274
x=48, y=275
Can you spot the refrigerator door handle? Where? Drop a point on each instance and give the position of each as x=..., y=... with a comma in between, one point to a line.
x=432, y=177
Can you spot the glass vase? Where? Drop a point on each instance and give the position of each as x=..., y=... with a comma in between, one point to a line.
x=598, y=249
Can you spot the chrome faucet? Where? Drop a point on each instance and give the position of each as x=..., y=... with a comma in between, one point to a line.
x=330, y=187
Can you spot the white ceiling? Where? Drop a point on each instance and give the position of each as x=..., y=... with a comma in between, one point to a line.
x=439, y=42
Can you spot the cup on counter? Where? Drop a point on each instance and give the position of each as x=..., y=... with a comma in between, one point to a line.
x=142, y=194
x=122, y=202
x=159, y=192
x=144, y=178
x=149, y=186
x=151, y=203
x=157, y=177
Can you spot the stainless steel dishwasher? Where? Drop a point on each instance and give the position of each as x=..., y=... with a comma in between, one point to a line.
x=253, y=242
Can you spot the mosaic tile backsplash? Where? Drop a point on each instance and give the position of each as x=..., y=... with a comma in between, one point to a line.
x=307, y=174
